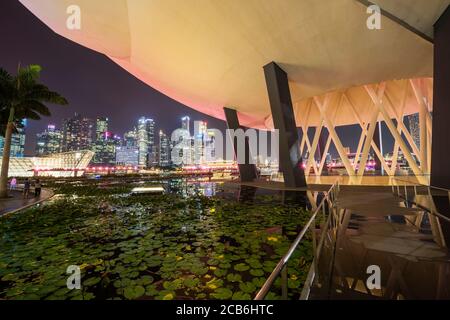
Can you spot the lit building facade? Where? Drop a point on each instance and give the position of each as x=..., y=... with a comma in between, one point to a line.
x=49, y=141
x=78, y=133
x=105, y=143
x=105, y=151
x=186, y=124
x=101, y=127
x=146, y=142
x=414, y=128
x=68, y=164
x=164, y=150
x=127, y=156
x=130, y=138
x=210, y=146
x=17, y=142
x=182, y=153
x=200, y=137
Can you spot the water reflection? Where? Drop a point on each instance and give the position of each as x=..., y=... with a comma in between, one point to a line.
x=247, y=194
x=190, y=187
x=297, y=198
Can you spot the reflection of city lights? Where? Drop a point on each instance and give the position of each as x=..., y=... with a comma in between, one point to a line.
x=147, y=190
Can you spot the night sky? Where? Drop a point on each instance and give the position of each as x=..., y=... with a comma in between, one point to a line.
x=94, y=85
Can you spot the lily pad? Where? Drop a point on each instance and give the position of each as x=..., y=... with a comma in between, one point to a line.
x=222, y=294
x=241, y=267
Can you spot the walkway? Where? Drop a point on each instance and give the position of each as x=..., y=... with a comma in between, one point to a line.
x=376, y=228
x=17, y=201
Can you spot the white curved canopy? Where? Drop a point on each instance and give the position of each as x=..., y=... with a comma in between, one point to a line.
x=209, y=54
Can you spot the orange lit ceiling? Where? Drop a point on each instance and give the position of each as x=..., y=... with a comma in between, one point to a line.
x=209, y=54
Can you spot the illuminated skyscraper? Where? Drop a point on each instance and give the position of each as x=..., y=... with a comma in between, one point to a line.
x=182, y=152
x=130, y=138
x=414, y=128
x=17, y=142
x=186, y=124
x=127, y=156
x=78, y=133
x=49, y=141
x=164, y=149
x=210, y=146
x=101, y=127
x=146, y=142
x=200, y=135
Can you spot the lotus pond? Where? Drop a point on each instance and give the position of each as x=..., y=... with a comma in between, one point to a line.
x=149, y=247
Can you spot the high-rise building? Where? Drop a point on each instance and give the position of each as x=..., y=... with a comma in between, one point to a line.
x=210, y=146
x=182, y=152
x=78, y=133
x=164, y=149
x=49, y=141
x=127, y=156
x=200, y=135
x=186, y=124
x=17, y=142
x=130, y=138
x=105, y=143
x=146, y=142
x=414, y=128
x=105, y=151
x=101, y=127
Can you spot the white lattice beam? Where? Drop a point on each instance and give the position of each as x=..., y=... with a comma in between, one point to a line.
x=424, y=119
x=363, y=135
x=371, y=130
x=337, y=141
x=381, y=106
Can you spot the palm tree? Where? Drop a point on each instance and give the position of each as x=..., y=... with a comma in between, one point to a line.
x=21, y=97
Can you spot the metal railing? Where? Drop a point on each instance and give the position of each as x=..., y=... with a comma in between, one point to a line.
x=327, y=204
x=401, y=190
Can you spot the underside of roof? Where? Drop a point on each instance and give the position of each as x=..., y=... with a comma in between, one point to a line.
x=210, y=54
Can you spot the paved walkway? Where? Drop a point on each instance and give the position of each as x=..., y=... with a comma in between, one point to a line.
x=377, y=229
x=17, y=202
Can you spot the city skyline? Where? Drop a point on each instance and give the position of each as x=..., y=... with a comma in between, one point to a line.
x=141, y=146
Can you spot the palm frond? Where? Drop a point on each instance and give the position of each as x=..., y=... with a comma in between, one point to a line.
x=41, y=93
x=26, y=95
x=29, y=114
x=5, y=75
x=35, y=106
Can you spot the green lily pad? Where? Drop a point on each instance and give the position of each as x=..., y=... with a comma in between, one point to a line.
x=173, y=285
x=241, y=296
x=256, y=272
x=91, y=281
x=134, y=292
x=241, y=267
x=233, y=277
x=222, y=294
x=191, y=282
x=247, y=287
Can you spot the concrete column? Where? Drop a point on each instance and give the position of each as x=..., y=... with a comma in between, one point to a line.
x=440, y=153
x=321, y=149
x=247, y=171
x=284, y=120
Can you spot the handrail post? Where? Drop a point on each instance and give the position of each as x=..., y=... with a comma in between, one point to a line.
x=284, y=283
